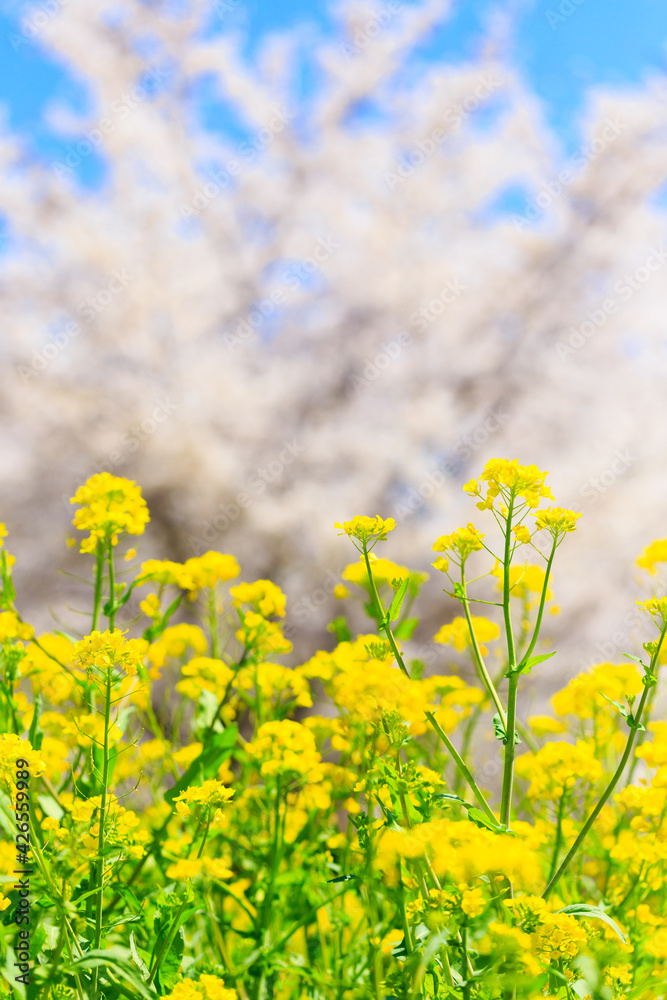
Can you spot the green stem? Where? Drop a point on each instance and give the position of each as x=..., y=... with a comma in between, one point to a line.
x=112, y=589
x=463, y=768
x=553, y=882
x=540, y=613
x=510, y=748
x=99, y=864
x=479, y=659
x=458, y=760
x=510, y=728
x=99, y=572
x=559, y=835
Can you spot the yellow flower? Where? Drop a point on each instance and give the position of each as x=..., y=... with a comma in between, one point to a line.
x=556, y=520
x=151, y=606
x=463, y=541
x=559, y=936
x=274, y=679
x=472, y=901
x=184, y=868
x=13, y=748
x=105, y=650
x=166, y=572
x=557, y=767
x=654, y=553
x=206, y=988
x=211, y=568
x=265, y=597
x=173, y=644
x=341, y=592
x=544, y=724
x=111, y=506
x=261, y=635
x=210, y=793
x=657, y=608
x=583, y=695
x=458, y=633
x=508, y=479
x=11, y=628
x=524, y=580
x=441, y=563
x=203, y=673
x=522, y=533
x=364, y=528
x=286, y=747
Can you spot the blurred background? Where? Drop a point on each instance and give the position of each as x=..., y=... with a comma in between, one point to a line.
x=285, y=262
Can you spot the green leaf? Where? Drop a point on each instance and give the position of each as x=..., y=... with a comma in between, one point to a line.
x=617, y=704
x=399, y=597
x=585, y=910
x=527, y=665
x=481, y=819
x=138, y=960
x=405, y=628
x=637, y=659
x=453, y=797
x=170, y=962
x=459, y=592
x=217, y=748
x=500, y=732
x=116, y=959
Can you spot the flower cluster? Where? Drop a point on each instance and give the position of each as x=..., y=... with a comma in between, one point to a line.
x=110, y=507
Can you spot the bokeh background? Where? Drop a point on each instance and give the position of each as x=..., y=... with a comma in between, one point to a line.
x=285, y=262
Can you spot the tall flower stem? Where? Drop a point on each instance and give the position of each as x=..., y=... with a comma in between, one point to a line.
x=102, y=815
x=583, y=833
x=510, y=727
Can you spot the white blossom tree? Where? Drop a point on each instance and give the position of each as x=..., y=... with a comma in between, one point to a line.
x=389, y=279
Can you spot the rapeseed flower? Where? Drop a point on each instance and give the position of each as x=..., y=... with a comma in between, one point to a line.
x=365, y=528
x=206, y=988
x=286, y=748
x=457, y=632
x=556, y=520
x=461, y=542
x=110, y=507
x=508, y=478
x=102, y=651
x=266, y=598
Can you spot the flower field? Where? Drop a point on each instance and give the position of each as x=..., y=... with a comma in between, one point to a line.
x=179, y=821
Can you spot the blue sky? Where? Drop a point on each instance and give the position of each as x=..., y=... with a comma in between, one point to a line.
x=562, y=47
